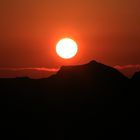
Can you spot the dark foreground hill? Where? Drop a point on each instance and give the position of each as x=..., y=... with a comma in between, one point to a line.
x=79, y=102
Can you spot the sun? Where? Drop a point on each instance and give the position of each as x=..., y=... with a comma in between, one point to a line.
x=66, y=48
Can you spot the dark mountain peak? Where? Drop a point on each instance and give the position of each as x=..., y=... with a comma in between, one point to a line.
x=63, y=68
x=93, y=62
x=92, y=70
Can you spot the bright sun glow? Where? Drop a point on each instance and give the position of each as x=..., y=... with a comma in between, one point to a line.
x=66, y=48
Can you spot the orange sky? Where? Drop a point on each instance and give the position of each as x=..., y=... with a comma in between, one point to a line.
x=106, y=30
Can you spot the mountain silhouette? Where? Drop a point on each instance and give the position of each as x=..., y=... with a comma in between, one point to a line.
x=136, y=76
x=76, y=103
x=91, y=71
x=135, y=90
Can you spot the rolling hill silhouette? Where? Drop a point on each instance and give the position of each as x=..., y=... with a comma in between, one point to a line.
x=77, y=102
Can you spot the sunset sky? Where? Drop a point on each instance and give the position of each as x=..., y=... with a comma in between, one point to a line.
x=105, y=30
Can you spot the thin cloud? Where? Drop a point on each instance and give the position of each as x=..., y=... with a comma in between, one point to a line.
x=127, y=67
x=38, y=69
x=128, y=70
x=34, y=73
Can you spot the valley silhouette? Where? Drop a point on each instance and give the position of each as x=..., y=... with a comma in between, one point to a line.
x=78, y=102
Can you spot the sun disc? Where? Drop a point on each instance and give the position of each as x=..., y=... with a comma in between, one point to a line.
x=66, y=48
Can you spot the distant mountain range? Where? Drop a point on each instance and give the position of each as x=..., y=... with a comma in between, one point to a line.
x=77, y=102
x=43, y=72
x=33, y=73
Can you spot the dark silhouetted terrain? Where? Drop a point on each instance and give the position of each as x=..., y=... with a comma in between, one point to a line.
x=78, y=102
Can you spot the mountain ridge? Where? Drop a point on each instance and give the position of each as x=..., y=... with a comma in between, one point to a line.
x=80, y=98
x=92, y=66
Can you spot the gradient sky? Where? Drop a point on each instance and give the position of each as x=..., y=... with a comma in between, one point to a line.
x=105, y=30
